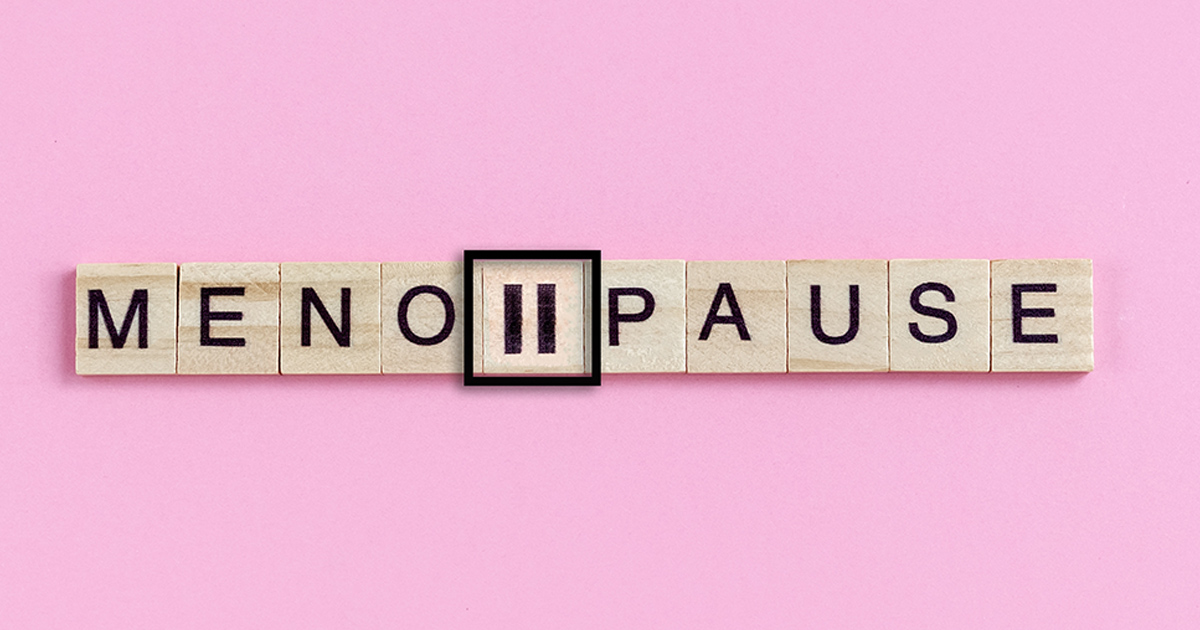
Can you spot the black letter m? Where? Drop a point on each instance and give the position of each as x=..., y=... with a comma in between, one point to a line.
x=98, y=306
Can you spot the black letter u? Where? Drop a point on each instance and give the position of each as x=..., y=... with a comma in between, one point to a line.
x=851, y=332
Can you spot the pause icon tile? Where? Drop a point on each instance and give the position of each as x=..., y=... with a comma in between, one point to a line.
x=533, y=317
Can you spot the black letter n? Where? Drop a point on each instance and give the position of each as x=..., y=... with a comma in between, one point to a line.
x=139, y=304
x=310, y=300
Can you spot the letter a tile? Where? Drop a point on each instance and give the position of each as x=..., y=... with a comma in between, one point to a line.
x=737, y=316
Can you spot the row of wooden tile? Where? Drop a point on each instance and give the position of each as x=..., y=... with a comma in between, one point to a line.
x=656, y=316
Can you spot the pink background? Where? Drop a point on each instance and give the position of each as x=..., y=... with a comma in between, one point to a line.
x=166, y=131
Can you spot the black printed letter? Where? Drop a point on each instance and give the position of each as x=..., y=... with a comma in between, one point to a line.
x=139, y=304
x=914, y=300
x=615, y=316
x=207, y=315
x=724, y=292
x=309, y=300
x=851, y=332
x=1018, y=312
x=402, y=315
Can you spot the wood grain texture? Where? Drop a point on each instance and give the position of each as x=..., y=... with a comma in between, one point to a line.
x=433, y=342
x=588, y=275
x=839, y=348
x=657, y=343
x=477, y=323
x=326, y=284
x=118, y=284
x=258, y=327
x=1058, y=340
x=760, y=290
x=568, y=356
x=969, y=348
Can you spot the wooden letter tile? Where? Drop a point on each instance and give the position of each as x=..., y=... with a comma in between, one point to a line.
x=423, y=317
x=737, y=316
x=940, y=315
x=1051, y=300
x=533, y=317
x=849, y=332
x=329, y=318
x=125, y=318
x=229, y=318
x=643, y=316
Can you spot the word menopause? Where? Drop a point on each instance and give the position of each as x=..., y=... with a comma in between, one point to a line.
x=555, y=317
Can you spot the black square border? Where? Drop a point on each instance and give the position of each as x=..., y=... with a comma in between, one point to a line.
x=469, y=258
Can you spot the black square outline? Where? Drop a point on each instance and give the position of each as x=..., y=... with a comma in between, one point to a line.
x=469, y=257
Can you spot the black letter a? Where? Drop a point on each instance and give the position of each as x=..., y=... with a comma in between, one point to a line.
x=724, y=291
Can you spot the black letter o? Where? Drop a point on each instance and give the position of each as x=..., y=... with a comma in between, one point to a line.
x=402, y=315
